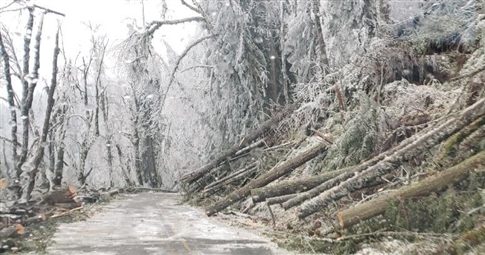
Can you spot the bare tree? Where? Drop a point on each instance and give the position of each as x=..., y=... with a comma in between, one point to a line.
x=39, y=153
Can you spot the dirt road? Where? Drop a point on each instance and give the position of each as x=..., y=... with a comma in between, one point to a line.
x=156, y=223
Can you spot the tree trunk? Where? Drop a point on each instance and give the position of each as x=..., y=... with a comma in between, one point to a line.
x=59, y=161
x=39, y=154
x=135, y=140
x=194, y=176
x=344, y=184
x=24, y=111
x=294, y=186
x=210, y=189
x=280, y=199
x=97, y=84
x=285, y=79
x=442, y=180
x=270, y=176
x=124, y=167
x=109, y=135
x=322, y=50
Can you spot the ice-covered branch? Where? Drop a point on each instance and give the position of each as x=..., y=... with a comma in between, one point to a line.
x=154, y=25
x=177, y=63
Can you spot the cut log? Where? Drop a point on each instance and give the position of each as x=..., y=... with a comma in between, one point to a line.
x=192, y=177
x=35, y=219
x=273, y=174
x=442, y=180
x=294, y=186
x=64, y=195
x=12, y=230
x=344, y=184
x=3, y=183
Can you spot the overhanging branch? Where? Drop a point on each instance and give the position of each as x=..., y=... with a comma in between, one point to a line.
x=154, y=25
x=47, y=10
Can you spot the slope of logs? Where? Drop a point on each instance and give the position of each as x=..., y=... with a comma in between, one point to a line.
x=239, y=180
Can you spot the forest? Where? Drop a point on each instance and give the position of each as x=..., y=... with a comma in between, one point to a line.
x=335, y=127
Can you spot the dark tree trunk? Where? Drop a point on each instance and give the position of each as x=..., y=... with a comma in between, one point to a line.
x=59, y=161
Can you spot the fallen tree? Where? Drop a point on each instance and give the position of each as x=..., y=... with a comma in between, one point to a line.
x=210, y=189
x=279, y=200
x=272, y=175
x=442, y=180
x=255, y=134
x=344, y=184
x=294, y=186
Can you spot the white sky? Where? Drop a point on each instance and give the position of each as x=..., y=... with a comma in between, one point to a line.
x=112, y=15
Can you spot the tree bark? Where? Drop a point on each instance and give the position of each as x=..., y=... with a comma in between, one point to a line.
x=344, y=184
x=194, y=176
x=273, y=174
x=442, y=180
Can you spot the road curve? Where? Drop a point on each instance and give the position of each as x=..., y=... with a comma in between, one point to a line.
x=155, y=224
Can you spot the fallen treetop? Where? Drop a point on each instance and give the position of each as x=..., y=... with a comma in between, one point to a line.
x=269, y=124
